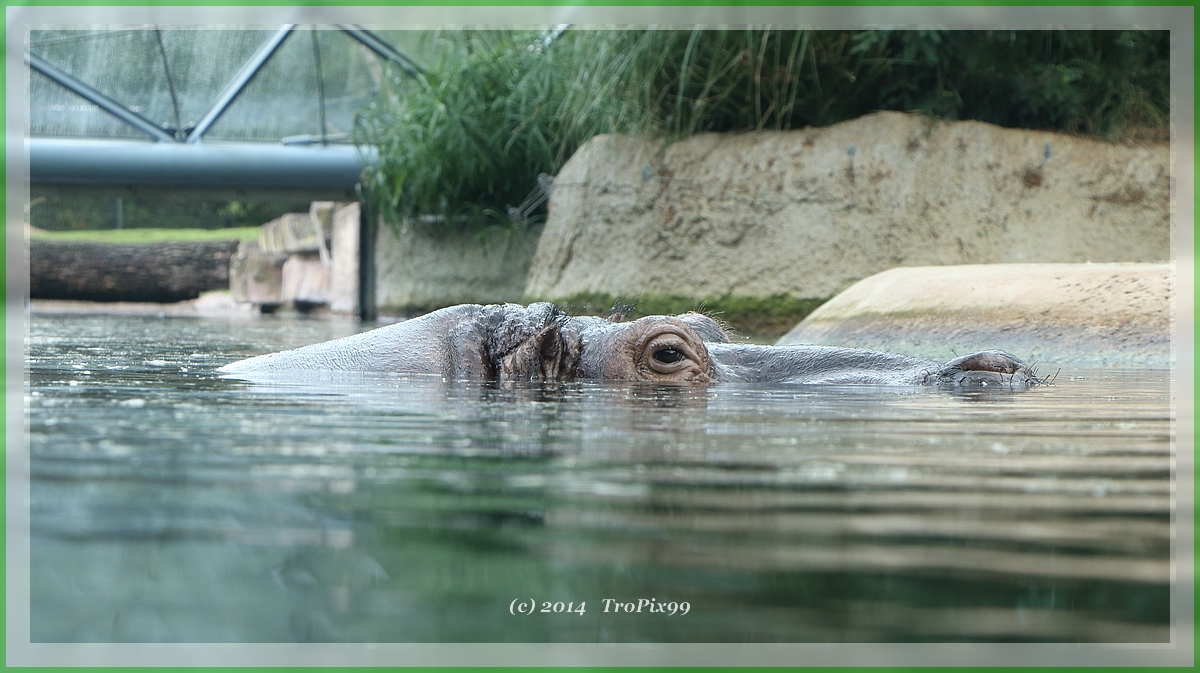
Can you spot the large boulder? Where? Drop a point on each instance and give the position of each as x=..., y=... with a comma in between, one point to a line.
x=255, y=276
x=1111, y=314
x=807, y=213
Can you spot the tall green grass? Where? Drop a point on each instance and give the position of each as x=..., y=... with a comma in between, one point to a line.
x=468, y=140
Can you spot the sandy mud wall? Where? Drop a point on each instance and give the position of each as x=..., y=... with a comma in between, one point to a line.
x=805, y=214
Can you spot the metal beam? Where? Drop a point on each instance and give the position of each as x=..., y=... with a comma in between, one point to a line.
x=105, y=103
x=381, y=48
x=239, y=82
x=237, y=166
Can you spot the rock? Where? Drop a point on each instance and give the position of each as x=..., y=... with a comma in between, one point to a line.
x=292, y=232
x=306, y=258
x=320, y=213
x=343, y=282
x=256, y=277
x=305, y=280
x=1113, y=314
x=796, y=213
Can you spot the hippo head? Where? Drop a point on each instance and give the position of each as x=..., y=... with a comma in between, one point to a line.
x=542, y=343
x=654, y=348
x=510, y=343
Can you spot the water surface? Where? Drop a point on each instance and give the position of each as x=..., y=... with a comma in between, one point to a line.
x=170, y=503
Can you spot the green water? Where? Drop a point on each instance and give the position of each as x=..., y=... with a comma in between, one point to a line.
x=169, y=503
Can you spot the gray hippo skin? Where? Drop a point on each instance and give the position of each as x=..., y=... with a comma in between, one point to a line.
x=509, y=343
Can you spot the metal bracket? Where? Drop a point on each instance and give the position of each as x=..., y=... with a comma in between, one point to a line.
x=232, y=90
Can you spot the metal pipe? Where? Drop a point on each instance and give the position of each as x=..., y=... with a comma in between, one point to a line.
x=239, y=166
x=381, y=48
x=93, y=96
x=368, y=233
x=239, y=82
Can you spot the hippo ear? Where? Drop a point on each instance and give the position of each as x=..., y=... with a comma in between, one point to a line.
x=620, y=311
x=549, y=355
x=709, y=330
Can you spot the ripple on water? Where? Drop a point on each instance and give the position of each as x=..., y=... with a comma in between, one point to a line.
x=350, y=507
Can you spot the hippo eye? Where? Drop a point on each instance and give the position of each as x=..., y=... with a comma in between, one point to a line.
x=671, y=352
x=668, y=356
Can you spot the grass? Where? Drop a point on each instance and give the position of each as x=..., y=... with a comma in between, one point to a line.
x=149, y=235
x=54, y=209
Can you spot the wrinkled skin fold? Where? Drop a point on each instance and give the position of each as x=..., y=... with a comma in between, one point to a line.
x=509, y=343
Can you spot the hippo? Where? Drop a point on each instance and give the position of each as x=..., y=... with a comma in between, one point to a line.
x=540, y=342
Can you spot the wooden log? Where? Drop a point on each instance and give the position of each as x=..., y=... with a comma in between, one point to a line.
x=154, y=272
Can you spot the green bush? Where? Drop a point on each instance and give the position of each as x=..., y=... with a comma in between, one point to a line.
x=1109, y=84
x=471, y=137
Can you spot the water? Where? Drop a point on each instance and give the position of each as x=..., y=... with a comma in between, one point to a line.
x=172, y=504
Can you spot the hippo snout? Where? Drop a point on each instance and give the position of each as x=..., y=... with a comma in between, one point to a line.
x=986, y=368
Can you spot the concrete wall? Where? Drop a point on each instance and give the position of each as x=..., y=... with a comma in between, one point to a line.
x=423, y=266
x=807, y=213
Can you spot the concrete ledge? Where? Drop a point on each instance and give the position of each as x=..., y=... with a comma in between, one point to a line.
x=1109, y=314
x=215, y=304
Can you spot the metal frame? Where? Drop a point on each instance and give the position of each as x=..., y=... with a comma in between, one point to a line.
x=230, y=93
x=381, y=48
x=91, y=95
x=183, y=161
x=239, y=82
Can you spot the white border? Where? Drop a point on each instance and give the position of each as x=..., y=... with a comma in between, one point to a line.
x=20, y=652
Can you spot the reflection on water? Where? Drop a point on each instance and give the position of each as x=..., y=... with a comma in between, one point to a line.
x=172, y=504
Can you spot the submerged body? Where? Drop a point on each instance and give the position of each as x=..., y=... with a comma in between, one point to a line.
x=509, y=342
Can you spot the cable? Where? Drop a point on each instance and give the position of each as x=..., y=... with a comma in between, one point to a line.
x=179, y=132
x=320, y=84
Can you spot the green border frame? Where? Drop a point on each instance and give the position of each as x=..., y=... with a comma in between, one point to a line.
x=4, y=324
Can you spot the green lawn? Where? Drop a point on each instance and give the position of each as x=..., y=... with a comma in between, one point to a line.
x=150, y=235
